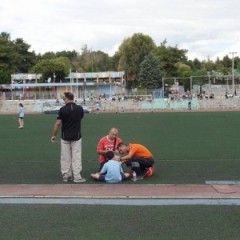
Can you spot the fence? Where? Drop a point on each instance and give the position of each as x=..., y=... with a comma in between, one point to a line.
x=128, y=105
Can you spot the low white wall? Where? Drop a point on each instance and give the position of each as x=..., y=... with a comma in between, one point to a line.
x=37, y=106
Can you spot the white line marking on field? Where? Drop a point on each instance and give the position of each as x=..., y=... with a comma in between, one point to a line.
x=198, y=160
x=133, y=202
x=222, y=182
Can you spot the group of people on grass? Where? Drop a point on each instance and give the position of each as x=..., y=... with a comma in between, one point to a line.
x=113, y=153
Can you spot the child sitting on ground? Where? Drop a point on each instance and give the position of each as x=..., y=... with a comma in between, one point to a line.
x=111, y=171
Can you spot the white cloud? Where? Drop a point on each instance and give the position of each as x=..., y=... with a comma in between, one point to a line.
x=206, y=28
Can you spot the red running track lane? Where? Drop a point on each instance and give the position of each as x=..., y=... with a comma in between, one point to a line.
x=158, y=191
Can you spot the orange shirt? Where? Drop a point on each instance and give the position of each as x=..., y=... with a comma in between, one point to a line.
x=139, y=150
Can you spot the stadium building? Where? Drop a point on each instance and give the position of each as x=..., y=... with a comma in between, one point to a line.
x=83, y=85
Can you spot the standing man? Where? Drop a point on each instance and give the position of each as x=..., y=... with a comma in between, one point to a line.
x=138, y=157
x=69, y=119
x=107, y=143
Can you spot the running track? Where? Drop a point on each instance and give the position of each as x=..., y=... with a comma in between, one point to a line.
x=121, y=194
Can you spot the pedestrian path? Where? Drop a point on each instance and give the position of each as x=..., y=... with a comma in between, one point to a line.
x=121, y=191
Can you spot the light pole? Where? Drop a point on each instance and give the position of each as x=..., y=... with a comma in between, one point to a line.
x=77, y=82
x=54, y=88
x=233, y=81
x=163, y=87
x=70, y=78
x=191, y=84
x=54, y=77
x=85, y=81
x=209, y=82
x=227, y=84
x=110, y=86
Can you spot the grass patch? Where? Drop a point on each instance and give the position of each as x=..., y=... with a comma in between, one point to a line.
x=119, y=222
x=188, y=147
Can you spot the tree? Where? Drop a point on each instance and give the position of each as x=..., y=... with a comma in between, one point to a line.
x=183, y=70
x=101, y=62
x=56, y=69
x=227, y=62
x=15, y=57
x=132, y=52
x=25, y=58
x=68, y=54
x=93, y=61
x=48, y=55
x=8, y=58
x=219, y=67
x=150, y=73
x=202, y=71
x=168, y=57
x=195, y=65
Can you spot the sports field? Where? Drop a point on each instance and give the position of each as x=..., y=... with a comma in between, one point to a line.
x=75, y=222
x=190, y=147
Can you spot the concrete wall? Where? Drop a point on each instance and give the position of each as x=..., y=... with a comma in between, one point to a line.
x=37, y=106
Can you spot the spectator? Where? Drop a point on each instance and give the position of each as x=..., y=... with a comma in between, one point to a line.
x=107, y=143
x=21, y=116
x=69, y=119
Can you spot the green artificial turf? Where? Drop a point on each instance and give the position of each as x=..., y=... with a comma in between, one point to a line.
x=61, y=222
x=189, y=147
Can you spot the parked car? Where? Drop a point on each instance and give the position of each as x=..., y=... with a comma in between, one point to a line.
x=55, y=109
x=86, y=109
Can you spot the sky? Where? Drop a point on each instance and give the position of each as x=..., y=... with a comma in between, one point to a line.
x=206, y=28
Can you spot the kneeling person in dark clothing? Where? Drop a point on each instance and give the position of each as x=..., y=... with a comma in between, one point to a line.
x=138, y=157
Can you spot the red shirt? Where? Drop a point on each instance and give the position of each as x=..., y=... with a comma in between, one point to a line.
x=106, y=144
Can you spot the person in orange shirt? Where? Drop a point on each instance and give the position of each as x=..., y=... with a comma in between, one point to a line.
x=137, y=156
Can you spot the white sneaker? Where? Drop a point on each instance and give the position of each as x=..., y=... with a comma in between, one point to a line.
x=81, y=180
x=68, y=179
x=94, y=175
x=137, y=178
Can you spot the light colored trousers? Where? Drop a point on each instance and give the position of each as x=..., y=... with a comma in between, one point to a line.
x=71, y=159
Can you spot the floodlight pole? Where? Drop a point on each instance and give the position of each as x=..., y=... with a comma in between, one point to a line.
x=110, y=86
x=77, y=82
x=233, y=81
x=227, y=84
x=163, y=86
x=209, y=82
x=191, y=84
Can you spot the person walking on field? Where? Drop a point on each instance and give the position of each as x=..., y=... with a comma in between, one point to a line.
x=21, y=116
x=138, y=157
x=69, y=119
x=107, y=143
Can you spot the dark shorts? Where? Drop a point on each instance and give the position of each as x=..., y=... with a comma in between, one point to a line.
x=21, y=117
x=102, y=177
x=139, y=164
